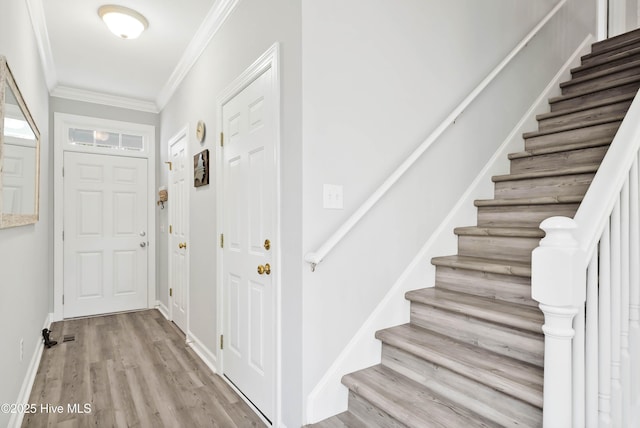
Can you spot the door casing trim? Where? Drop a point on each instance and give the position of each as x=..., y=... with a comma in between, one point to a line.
x=62, y=122
x=268, y=60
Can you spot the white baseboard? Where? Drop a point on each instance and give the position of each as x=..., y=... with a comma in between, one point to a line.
x=25, y=390
x=203, y=352
x=162, y=308
x=329, y=397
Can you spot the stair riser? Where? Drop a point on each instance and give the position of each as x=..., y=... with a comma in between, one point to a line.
x=507, y=288
x=522, y=215
x=628, y=88
x=374, y=416
x=551, y=162
x=497, y=247
x=597, y=82
x=504, y=409
x=582, y=135
x=609, y=51
x=566, y=185
x=606, y=65
x=512, y=342
x=611, y=111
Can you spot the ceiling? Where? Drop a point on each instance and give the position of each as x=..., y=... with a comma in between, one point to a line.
x=84, y=60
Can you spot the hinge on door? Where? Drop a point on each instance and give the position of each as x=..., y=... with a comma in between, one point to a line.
x=63, y=171
x=170, y=229
x=222, y=240
x=222, y=341
x=63, y=235
x=171, y=292
x=63, y=299
x=222, y=139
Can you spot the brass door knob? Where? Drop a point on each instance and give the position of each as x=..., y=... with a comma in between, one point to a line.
x=267, y=244
x=264, y=269
x=182, y=245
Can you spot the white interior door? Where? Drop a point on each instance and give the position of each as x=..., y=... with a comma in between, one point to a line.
x=178, y=233
x=105, y=234
x=249, y=183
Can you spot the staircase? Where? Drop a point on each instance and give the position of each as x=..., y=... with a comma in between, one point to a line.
x=472, y=354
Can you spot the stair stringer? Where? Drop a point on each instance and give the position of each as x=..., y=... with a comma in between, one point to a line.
x=329, y=396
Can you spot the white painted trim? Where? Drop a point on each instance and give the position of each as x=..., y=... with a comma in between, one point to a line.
x=214, y=20
x=103, y=99
x=182, y=133
x=602, y=19
x=39, y=23
x=329, y=396
x=315, y=257
x=205, y=354
x=15, y=421
x=269, y=60
x=61, y=122
x=163, y=309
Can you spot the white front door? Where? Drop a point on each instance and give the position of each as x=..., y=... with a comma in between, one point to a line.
x=178, y=232
x=249, y=183
x=105, y=234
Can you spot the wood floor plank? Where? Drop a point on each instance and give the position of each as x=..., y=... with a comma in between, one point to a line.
x=133, y=370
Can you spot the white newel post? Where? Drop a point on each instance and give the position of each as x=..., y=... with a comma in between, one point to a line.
x=558, y=278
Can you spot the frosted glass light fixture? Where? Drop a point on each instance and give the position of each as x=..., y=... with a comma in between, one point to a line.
x=123, y=22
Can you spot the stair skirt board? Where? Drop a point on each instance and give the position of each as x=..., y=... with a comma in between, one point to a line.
x=509, y=282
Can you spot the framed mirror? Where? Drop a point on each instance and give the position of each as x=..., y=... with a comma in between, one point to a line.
x=19, y=155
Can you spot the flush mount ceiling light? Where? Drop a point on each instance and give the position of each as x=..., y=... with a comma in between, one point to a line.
x=122, y=21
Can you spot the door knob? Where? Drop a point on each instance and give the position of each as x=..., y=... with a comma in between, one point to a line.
x=264, y=269
x=267, y=244
x=182, y=245
x=142, y=233
x=143, y=244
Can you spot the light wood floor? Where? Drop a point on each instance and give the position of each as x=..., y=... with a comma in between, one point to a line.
x=133, y=370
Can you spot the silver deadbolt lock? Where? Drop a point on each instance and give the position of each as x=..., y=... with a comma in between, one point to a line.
x=142, y=233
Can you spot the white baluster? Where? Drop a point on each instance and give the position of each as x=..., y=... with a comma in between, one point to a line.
x=625, y=357
x=634, y=286
x=591, y=345
x=558, y=282
x=578, y=369
x=614, y=310
x=604, y=339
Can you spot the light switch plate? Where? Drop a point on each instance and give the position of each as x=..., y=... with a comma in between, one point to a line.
x=332, y=197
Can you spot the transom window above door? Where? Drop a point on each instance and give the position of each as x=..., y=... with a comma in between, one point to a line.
x=106, y=139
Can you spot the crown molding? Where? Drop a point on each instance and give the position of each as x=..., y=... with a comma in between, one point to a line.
x=39, y=24
x=104, y=99
x=214, y=20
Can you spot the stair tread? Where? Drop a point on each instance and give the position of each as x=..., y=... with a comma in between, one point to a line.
x=541, y=200
x=560, y=148
x=603, y=45
x=601, y=73
x=407, y=401
x=605, y=60
x=605, y=86
x=504, y=313
x=510, y=376
x=542, y=174
x=586, y=106
x=611, y=117
x=484, y=265
x=520, y=232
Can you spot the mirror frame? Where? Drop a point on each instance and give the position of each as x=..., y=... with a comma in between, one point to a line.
x=7, y=81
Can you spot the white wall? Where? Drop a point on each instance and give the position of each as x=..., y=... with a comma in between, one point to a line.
x=251, y=29
x=25, y=252
x=378, y=77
